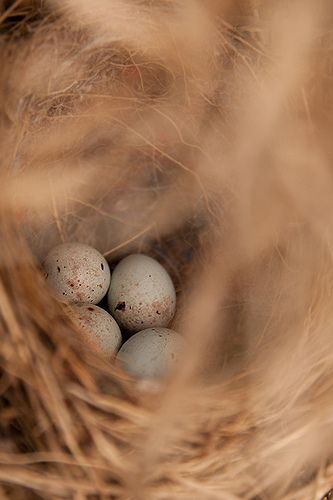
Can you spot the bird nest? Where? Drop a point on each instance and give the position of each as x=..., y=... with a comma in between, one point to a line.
x=198, y=133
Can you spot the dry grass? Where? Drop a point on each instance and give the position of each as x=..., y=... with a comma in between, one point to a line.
x=200, y=133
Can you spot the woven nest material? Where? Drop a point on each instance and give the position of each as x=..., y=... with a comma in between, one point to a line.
x=198, y=133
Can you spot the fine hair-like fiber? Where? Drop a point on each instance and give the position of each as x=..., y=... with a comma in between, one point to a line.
x=198, y=132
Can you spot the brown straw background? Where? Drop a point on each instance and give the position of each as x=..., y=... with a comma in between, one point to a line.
x=199, y=132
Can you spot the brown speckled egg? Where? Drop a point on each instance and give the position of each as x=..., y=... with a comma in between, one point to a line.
x=98, y=326
x=150, y=353
x=77, y=273
x=141, y=294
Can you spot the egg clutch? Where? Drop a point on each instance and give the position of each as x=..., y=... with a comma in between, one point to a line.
x=141, y=300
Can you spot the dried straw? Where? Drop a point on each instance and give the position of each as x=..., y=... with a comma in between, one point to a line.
x=198, y=132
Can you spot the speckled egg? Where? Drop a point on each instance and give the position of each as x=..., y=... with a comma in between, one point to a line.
x=77, y=273
x=141, y=294
x=99, y=329
x=150, y=353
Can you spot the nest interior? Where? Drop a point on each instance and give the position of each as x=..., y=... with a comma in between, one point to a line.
x=198, y=133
